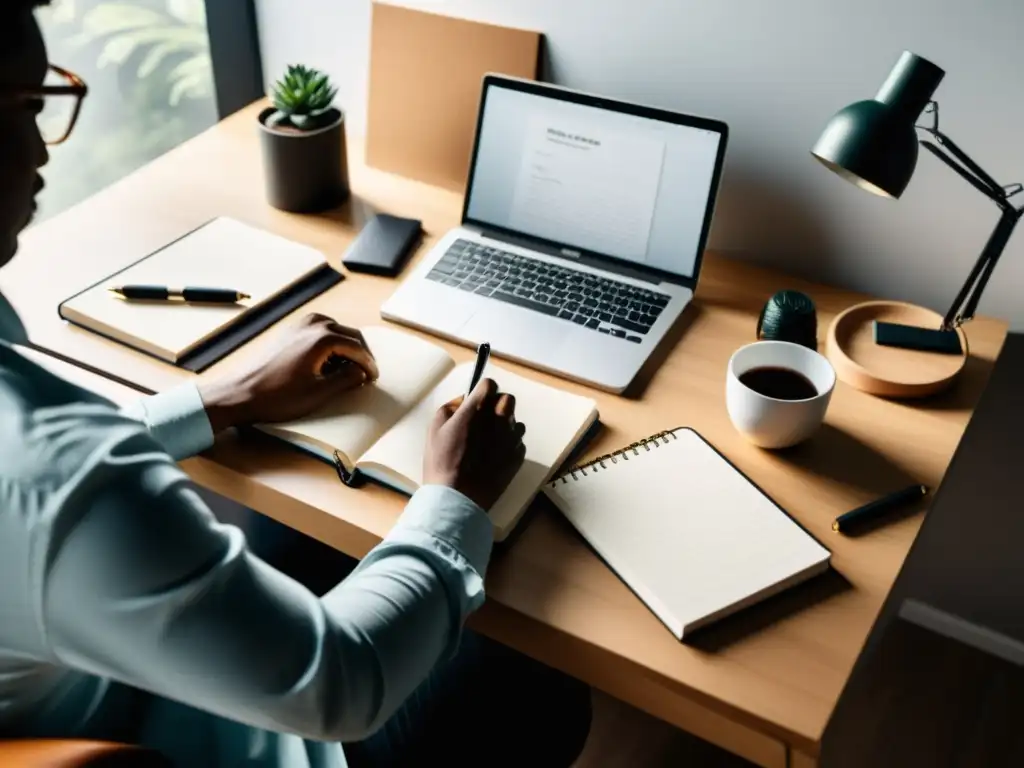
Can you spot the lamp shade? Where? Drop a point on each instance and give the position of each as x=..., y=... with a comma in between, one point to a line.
x=873, y=143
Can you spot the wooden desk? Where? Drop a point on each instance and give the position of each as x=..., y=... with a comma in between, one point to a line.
x=761, y=684
x=940, y=681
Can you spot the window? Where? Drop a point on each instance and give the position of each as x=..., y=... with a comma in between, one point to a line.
x=151, y=86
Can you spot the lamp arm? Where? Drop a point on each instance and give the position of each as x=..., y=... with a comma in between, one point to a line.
x=966, y=301
x=967, y=313
x=950, y=146
x=997, y=194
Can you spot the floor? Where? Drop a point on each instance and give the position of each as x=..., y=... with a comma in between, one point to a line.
x=624, y=737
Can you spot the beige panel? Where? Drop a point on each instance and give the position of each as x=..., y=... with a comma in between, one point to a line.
x=425, y=79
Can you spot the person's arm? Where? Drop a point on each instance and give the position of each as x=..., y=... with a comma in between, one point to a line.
x=147, y=588
x=139, y=583
x=291, y=380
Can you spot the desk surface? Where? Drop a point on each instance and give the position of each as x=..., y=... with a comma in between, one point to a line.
x=757, y=682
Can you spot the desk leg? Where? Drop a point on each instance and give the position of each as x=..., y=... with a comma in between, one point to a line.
x=798, y=759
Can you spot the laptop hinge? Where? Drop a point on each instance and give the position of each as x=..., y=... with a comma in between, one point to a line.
x=633, y=272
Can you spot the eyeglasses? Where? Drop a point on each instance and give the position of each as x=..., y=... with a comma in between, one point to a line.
x=58, y=102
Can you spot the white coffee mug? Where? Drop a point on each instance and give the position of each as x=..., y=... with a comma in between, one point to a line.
x=771, y=422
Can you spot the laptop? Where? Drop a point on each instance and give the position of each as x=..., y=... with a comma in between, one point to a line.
x=583, y=229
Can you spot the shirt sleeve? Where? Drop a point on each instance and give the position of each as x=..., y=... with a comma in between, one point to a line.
x=146, y=587
x=176, y=419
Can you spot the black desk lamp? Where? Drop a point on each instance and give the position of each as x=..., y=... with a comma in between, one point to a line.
x=873, y=144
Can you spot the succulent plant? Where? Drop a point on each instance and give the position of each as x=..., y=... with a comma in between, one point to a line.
x=304, y=99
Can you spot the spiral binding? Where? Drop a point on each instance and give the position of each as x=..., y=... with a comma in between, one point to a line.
x=595, y=466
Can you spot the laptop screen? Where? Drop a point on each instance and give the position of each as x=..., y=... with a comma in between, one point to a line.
x=596, y=176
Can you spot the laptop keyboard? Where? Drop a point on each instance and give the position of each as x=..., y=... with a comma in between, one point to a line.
x=603, y=305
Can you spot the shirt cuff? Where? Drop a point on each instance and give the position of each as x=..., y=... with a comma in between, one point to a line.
x=176, y=419
x=453, y=534
x=451, y=519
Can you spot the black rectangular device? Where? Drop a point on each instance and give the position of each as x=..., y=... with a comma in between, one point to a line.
x=912, y=337
x=383, y=246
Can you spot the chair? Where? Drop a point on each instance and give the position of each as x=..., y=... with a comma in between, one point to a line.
x=70, y=753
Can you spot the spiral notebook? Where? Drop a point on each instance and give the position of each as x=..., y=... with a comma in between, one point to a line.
x=689, y=533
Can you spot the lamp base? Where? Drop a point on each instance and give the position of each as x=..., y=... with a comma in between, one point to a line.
x=889, y=371
x=915, y=337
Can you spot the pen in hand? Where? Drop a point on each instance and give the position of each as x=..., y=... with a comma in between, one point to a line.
x=483, y=354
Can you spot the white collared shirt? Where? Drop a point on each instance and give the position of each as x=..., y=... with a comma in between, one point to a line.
x=114, y=575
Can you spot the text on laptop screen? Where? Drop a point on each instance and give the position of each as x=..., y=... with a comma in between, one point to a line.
x=593, y=179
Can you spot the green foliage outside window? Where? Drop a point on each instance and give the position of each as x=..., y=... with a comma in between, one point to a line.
x=147, y=63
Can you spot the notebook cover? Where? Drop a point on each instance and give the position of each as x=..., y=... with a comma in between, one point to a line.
x=260, y=319
x=645, y=593
x=234, y=336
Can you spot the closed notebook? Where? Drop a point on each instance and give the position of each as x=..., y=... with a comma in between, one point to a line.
x=223, y=253
x=685, y=530
x=380, y=430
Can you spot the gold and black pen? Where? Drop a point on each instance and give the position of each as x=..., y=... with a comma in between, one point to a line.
x=878, y=508
x=162, y=293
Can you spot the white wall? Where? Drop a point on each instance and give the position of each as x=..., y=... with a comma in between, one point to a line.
x=775, y=70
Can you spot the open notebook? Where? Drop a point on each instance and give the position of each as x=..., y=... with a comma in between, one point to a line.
x=380, y=430
x=685, y=530
x=224, y=253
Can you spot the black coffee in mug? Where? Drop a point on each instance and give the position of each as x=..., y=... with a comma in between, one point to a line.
x=779, y=383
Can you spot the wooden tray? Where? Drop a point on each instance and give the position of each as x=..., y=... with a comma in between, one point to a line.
x=889, y=371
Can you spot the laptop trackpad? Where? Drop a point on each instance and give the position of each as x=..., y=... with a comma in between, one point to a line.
x=515, y=332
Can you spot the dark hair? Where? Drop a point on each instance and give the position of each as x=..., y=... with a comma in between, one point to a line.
x=11, y=8
x=10, y=11
x=20, y=6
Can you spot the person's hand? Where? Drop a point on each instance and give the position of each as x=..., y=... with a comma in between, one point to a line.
x=312, y=363
x=476, y=446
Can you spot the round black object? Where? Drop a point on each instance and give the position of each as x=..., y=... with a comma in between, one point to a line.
x=789, y=316
x=306, y=171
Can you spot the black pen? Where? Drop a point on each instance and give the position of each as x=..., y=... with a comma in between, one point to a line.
x=483, y=354
x=875, y=509
x=162, y=293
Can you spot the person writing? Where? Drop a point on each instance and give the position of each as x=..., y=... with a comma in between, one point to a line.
x=130, y=614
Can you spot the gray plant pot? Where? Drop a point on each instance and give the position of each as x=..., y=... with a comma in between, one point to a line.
x=305, y=171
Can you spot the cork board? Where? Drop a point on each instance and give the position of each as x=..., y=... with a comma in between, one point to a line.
x=425, y=85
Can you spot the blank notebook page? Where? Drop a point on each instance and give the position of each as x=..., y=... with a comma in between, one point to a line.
x=685, y=530
x=221, y=254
